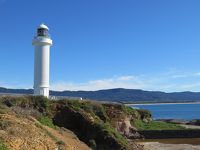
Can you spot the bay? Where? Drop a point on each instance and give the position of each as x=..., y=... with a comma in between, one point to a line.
x=184, y=111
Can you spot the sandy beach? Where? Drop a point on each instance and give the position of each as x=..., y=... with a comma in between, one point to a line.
x=171, y=144
x=162, y=146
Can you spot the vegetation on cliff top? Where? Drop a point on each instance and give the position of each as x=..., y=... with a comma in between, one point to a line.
x=93, y=122
x=100, y=125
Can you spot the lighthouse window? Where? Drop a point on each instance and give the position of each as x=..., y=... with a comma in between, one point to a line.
x=42, y=32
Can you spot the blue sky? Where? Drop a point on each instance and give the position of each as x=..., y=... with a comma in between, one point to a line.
x=101, y=44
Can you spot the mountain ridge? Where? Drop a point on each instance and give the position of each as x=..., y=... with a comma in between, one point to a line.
x=119, y=95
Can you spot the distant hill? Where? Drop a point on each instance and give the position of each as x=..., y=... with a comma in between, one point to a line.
x=119, y=95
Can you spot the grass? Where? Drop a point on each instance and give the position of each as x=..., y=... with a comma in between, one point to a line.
x=47, y=122
x=47, y=132
x=58, y=142
x=3, y=109
x=37, y=102
x=3, y=146
x=156, y=125
x=96, y=110
x=107, y=128
x=77, y=105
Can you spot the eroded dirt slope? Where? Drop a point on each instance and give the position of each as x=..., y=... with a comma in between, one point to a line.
x=22, y=133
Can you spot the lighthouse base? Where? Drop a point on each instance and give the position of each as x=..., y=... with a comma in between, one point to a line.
x=43, y=91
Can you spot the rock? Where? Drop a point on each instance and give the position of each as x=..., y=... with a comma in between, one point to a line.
x=126, y=129
x=194, y=122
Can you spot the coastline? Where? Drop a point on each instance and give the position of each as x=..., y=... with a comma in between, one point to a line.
x=156, y=103
x=171, y=144
x=181, y=140
x=186, y=111
x=162, y=146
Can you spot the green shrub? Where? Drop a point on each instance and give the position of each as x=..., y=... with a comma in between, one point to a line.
x=47, y=122
x=60, y=143
x=3, y=109
x=96, y=110
x=144, y=114
x=4, y=124
x=99, y=111
x=92, y=144
x=110, y=131
x=3, y=146
x=41, y=102
x=38, y=102
x=8, y=101
x=47, y=132
x=78, y=105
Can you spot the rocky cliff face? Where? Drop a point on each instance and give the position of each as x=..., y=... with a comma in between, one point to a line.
x=101, y=126
x=121, y=118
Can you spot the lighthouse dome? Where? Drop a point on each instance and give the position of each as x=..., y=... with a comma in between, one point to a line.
x=43, y=30
x=43, y=26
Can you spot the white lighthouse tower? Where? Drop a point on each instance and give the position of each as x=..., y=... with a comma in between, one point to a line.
x=42, y=43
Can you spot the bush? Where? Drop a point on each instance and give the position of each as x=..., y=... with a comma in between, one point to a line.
x=4, y=124
x=92, y=144
x=78, y=105
x=144, y=114
x=41, y=102
x=110, y=131
x=99, y=111
x=37, y=102
x=47, y=122
x=3, y=109
x=60, y=143
x=3, y=146
x=94, y=109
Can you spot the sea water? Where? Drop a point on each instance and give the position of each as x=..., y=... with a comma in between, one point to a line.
x=184, y=111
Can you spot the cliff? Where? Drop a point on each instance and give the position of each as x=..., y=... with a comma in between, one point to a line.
x=67, y=124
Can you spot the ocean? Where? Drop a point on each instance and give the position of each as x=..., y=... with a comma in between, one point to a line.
x=184, y=111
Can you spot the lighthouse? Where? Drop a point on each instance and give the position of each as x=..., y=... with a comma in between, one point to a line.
x=41, y=43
